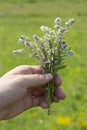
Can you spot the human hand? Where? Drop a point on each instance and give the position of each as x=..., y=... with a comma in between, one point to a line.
x=23, y=88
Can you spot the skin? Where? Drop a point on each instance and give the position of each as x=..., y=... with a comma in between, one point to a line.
x=23, y=88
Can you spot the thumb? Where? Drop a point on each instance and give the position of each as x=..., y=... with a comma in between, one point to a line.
x=35, y=80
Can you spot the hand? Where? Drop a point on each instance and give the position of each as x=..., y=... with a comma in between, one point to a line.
x=23, y=88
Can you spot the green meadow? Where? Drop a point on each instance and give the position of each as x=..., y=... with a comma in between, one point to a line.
x=24, y=17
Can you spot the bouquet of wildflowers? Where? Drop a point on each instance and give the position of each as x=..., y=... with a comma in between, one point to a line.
x=51, y=50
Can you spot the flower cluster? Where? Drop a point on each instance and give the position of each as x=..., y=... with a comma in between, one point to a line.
x=51, y=50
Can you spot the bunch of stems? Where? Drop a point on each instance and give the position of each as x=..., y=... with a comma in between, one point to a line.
x=51, y=51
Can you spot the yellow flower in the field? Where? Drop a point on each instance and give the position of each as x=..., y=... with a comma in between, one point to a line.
x=82, y=122
x=63, y=120
x=78, y=69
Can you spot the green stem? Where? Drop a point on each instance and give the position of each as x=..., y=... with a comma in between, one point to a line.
x=50, y=87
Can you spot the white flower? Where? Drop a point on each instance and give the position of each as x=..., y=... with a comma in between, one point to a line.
x=58, y=20
x=62, y=30
x=57, y=26
x=47, y=37
x=69, y=53
x=26, y=43
x=69, y=23
x=35, y=37
x=58, y=39
x=20, y=41
x=20, y=51
x=45, y=28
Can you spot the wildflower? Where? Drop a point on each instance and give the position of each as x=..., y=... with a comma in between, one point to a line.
x=47, y=37
x=58, y=20
x=61, y=31
x=69, y=53
x=57, y=23
x=36, y=37
x=20, y=51
x=69, y=23
x=62, y=120
x=63, y=45
x=21, y=39
x=26, y=43
x=58, y=39
x=51, y=51
x=44, y=28
x=82, y=122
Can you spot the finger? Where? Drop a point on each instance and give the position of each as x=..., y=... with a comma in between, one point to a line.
x=43, y=103
x=35, y=80
x=59, y=93
x=31, y=70
x=56, y=99
x=36, y=70
x=58, y=80
x=25, y=69
x=30, y=101
x=35, y=101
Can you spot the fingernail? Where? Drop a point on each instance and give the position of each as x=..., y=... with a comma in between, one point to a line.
x=49, y=76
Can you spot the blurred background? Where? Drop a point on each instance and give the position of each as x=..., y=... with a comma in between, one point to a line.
x=24, y=17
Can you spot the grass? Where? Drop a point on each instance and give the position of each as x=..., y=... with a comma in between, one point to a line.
x=24, y=17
